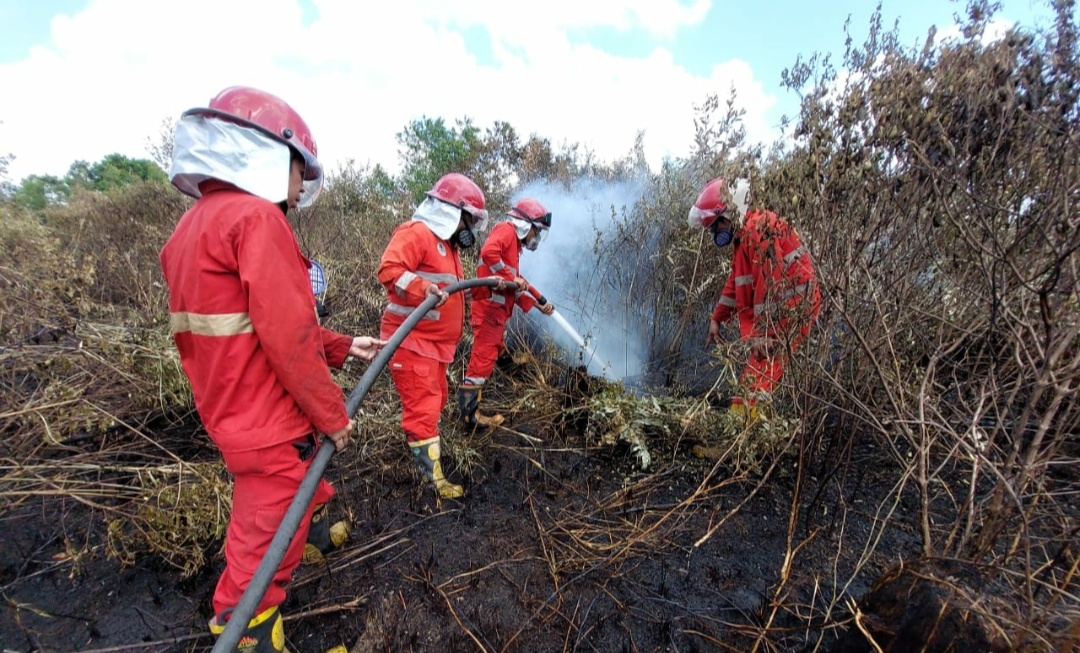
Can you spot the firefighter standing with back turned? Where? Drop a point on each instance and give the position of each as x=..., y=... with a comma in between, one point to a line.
x=242, y=314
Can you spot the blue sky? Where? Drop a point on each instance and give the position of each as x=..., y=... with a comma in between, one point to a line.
x=592, y=71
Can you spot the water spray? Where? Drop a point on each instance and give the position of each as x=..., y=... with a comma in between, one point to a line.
x=588, y=350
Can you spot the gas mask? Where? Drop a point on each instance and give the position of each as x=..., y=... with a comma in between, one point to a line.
x=463, y=237
x=532, y=243
x=722, y=237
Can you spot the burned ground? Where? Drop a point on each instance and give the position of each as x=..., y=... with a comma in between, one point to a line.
x=560, y=544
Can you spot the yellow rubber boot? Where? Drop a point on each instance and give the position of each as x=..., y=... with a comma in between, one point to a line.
x=427, y=454
x=743, y=415
x=324, y=537
x=264, y=633
x=744, y=410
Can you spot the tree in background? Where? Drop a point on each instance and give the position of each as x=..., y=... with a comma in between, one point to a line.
x=7, y=189
x=114, y=171
x=36, y=192
x=430, y=149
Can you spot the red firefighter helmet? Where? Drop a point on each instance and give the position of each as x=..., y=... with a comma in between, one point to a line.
x=710, y=204
x=462, y=192
x=264, y=111
x=274, y=117
x=532, y=212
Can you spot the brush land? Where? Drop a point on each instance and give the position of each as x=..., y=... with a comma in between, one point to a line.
x=913, y=489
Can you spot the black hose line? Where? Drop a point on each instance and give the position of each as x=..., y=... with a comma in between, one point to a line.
x=275, y=553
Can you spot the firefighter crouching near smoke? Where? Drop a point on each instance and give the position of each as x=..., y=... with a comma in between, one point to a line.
x=526, y=225
x=422, y=258
x=242, y=314
x=772, y=289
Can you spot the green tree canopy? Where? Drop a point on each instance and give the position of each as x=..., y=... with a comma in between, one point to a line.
x=430, y=149
x=38, y=191
x=114, y=171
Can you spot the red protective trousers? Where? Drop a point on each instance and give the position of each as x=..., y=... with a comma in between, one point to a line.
x=489, y=328
x=264, y=484
x=421, y=382
x=763, y=373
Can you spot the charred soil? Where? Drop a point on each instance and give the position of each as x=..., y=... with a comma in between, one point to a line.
x=559, y=545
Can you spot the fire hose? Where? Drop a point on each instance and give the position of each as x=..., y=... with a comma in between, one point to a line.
x=275, y=553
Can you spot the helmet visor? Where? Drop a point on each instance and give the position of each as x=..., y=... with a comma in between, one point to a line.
x=477, y=218
x=703, y=218
x=313, y=181
x=540, y=222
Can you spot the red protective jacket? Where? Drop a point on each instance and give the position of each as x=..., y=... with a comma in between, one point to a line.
x=772, y=288
x=499, y=256
x=414, y=259
x=243, y=318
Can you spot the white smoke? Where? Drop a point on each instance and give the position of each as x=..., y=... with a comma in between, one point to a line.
x=568, y=269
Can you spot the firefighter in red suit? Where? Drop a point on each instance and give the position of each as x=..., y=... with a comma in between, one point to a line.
x=772, y=289
x=242, y=315
x=421, y=259
x=526, y=225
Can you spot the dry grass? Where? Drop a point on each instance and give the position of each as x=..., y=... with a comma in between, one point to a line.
x=936, y=189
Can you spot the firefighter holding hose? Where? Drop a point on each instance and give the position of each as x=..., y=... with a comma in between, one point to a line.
x=422, y=258
x=526, y=224
x=243, y=317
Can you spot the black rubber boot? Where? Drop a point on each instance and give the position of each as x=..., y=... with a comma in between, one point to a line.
x=264, y=634
x=324, y=537
x=469, y=396
x=427, y=454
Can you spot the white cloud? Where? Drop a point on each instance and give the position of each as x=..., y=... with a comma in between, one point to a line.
x=360, y=72
x=995, y=30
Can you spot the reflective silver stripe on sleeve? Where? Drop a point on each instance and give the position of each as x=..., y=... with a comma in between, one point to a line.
x=787, y=294
x=439, y=278
x=726, y=301
x=794, y=254
x=403, y=282
x=500, y=265
x=744, y=280
x=797, y=290
x=497, y=299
